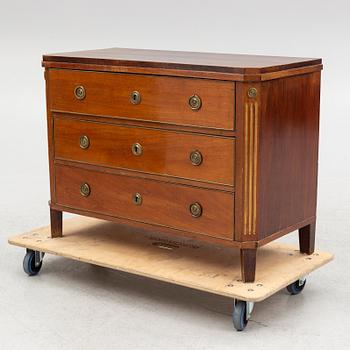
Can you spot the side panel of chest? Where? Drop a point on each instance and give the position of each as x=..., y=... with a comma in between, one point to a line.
x=276, y=156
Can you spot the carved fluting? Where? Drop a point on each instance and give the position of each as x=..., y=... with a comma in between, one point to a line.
x=250, y=166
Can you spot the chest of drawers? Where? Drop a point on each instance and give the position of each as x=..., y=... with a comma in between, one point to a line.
x=214, y=147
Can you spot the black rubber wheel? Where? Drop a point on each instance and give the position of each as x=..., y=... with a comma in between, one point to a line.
x=29, y=264
x=296, y=287
x=239, y=315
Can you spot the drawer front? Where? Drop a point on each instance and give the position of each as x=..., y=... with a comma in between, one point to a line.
x=203, y=158
x=181, y=207
x=161, y=99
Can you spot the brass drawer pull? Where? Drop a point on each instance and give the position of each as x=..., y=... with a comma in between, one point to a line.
x=85, y=189
x=135, y=97
x=195, y=102
x=84, y=142
x=137, y=199
x=136, y=149
x=79, y=92
x=196, y=158
x=196, y=210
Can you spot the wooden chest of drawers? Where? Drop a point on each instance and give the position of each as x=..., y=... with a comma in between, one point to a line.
x=218, y=148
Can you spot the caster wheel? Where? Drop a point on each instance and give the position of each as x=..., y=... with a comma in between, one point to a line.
x=29, y=266
x=296, y=287
x=239, y=315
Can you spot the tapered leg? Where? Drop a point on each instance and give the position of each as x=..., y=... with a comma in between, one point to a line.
x=307, y=238
x=248, y=264
x=56, y=223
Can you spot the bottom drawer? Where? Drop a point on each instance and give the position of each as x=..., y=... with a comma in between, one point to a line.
x=186, y=208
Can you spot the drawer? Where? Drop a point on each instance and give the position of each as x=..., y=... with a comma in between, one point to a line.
x=185, y=155
x=181, y=207
x=159, y=99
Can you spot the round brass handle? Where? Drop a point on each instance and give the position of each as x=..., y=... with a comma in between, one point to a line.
x=196, y=210
x=196, y=158
x=79, y=92
x=85, y=189
x=252, y=92
x=84, y=142
x=135, y=97
x=137, y=198
x=195, y=102
x=136, y=149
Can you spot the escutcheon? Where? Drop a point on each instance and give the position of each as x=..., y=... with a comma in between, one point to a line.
x=136, y=149
x=196, y=158
x=84, y=142
x=79, y=92
x=85, y=189
x=135, y=97
x=196, y=210
x=195, y=102
x=137, y=199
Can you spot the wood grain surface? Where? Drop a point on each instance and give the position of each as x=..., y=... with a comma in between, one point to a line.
x=163, y=99
x=288, y=152
x=276, y=156
x=163, y=152
x=163, y=204
x=220, y=62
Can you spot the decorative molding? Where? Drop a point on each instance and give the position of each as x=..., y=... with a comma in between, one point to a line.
x=250, y=166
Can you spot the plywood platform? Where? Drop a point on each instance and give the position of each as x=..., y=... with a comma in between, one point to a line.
x=184, y=262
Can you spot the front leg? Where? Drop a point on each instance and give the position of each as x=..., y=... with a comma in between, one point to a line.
x=307, y=238
x=248, y=264
x=56, y=223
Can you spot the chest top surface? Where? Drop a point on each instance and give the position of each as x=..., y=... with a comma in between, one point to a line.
x=177, y=60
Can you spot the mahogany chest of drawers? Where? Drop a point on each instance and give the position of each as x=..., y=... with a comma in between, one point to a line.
x=216, y=147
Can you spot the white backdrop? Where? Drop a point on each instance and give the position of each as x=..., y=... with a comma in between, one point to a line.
x=275, y=27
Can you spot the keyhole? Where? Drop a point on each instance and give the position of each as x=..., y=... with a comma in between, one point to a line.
x=137, y=198
x=135, y=97
x=136, y=149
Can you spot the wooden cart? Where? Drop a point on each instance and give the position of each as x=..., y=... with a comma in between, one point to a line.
x=185, y=262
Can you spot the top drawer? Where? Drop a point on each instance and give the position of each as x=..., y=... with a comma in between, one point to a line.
x=181, y=101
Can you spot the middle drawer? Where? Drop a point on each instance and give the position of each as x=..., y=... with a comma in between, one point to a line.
x=183, y=155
